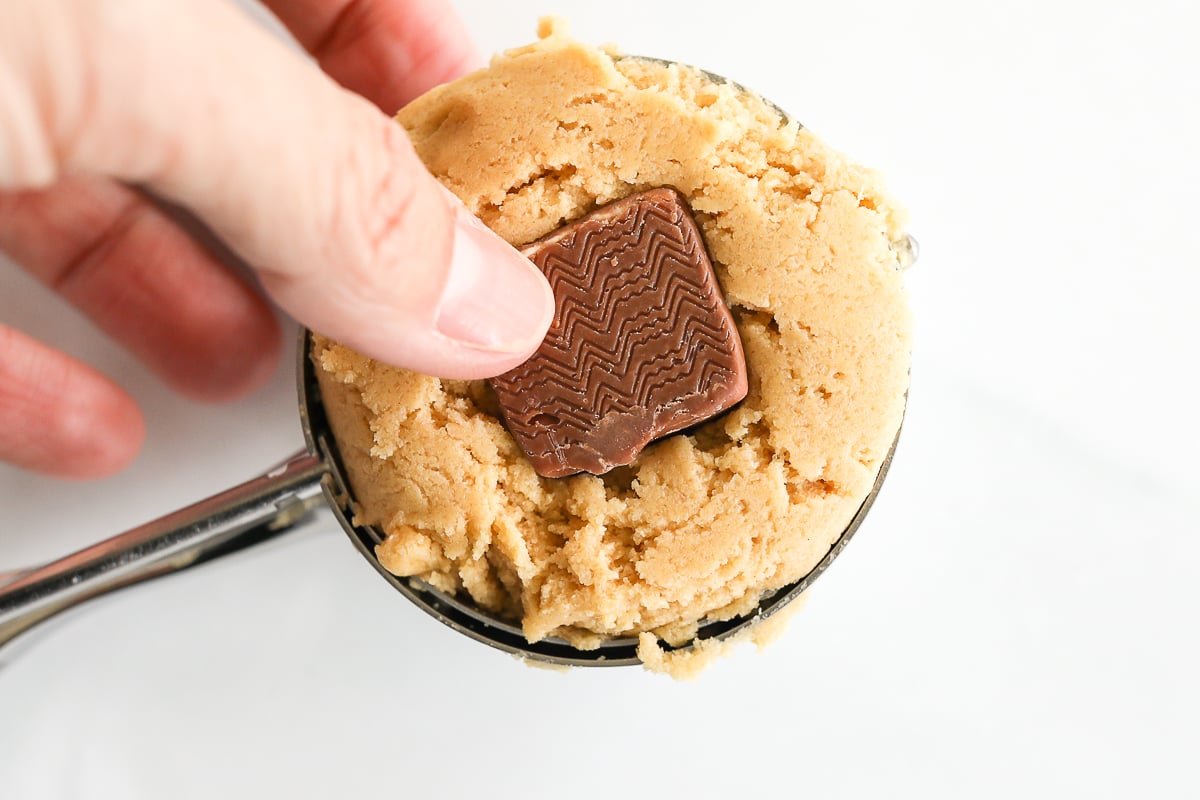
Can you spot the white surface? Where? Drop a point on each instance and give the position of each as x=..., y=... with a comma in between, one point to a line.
x=1017, y=617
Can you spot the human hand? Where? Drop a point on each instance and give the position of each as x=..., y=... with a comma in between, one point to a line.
x=310, y=184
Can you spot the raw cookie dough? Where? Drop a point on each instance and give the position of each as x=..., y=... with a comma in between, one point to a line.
x=701, y=524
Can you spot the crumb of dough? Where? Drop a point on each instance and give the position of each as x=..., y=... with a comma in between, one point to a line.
x=687, y=664
x=767, y=631
x=682, y=665
x=535, y=663
x=702, y=524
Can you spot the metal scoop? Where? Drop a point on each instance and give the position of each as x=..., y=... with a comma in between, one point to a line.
x=291, y=493
x=276, y=502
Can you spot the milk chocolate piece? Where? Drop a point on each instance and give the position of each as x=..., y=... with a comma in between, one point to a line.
x=642, y=344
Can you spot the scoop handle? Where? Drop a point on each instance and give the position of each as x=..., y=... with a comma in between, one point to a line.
x=254, y=511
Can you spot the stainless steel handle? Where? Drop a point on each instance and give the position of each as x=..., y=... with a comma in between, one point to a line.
x=252, y=512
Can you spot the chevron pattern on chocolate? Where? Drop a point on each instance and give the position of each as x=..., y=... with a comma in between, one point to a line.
x=642, y=344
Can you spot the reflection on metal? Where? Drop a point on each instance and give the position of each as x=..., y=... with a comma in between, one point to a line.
x=232, y=520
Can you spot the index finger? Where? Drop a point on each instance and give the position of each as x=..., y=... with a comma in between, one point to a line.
x=389, y=51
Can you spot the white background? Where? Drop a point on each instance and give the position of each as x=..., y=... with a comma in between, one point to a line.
x=1017, y=617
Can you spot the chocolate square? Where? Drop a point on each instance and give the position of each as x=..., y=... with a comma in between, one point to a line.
x=642, y=344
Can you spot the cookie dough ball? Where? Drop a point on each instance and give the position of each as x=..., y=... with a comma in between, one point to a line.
x=703, y=523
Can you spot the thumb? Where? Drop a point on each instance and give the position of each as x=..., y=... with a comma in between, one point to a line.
x=309, y=183
x=435, y=290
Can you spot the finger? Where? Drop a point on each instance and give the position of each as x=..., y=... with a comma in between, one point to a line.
x=389, y=51
x=308, y=182
x=60, y=416
x=150, y=286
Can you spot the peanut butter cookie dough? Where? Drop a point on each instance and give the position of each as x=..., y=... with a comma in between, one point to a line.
x=702, y=523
